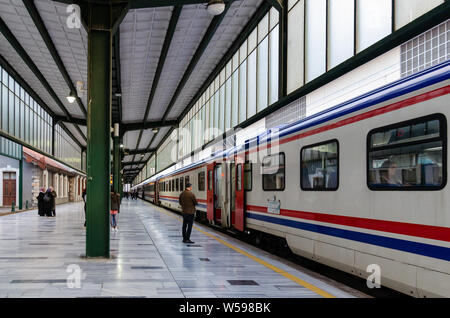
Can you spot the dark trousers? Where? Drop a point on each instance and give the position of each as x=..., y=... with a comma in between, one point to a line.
x=188, y=220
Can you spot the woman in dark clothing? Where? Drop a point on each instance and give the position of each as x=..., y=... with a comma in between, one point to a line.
x=48, y=203
x=40, y=199
x=53, y=193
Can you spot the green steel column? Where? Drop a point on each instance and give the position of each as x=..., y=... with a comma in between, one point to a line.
x=116, y=164
x=101, y=20
x=99, y=131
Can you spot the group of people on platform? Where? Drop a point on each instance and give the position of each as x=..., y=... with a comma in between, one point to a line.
x=47, y=202
x=133, y=195
x=187, y=200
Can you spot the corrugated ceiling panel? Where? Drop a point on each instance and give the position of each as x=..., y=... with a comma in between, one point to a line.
x=142, y=36
x=192, y=25
x=237, y=17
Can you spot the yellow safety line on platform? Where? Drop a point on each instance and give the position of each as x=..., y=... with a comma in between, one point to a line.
x=299, y=281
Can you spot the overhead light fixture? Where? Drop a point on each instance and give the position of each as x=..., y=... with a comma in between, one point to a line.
x=71, y=98
x=215, y=7
x=121, y=145
x=155, y=130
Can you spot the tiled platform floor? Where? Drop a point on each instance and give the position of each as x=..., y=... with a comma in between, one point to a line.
x=148, y=260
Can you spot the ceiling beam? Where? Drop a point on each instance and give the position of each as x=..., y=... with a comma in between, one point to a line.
x=147, y=125
x=29, y=62
x=117, y=118
x=74, y=121
x=213, y=26
x=277, y=4
x=140, y=4
x=132, y=163
x=39, y=23
x=129, y=152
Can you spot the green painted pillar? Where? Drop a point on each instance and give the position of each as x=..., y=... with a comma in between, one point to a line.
x=116, y=163
x=101, y=21
x=98, y=143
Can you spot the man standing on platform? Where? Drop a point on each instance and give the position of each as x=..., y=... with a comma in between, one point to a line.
x=188, y=202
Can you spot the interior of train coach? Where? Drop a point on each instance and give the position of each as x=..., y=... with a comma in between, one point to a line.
x=257, y=149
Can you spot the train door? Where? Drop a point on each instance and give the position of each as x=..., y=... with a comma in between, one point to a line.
x=218, y=174
x=156, y=192
x=232, y=175
x=210, y=192
x=239, y=193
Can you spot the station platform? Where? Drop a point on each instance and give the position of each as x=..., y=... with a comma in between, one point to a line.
x=148, y=259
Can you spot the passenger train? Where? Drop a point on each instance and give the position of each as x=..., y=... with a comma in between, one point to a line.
x=362, y=183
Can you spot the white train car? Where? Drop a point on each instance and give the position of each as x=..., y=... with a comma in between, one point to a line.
x=361, y=184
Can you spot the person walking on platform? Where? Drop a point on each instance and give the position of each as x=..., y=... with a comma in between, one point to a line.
x=115, y=206
x=40, y=199
x=53, y=194
x=188, y=202
x=83, y=195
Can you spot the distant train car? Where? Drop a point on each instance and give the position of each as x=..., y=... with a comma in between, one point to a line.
x=361, y=185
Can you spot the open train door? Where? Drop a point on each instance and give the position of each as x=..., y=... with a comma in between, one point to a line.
x=240, y=193
x=210, y=192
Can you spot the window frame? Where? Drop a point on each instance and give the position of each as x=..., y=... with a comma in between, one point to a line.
x=251, y=175
x=203, y=188
x=238, y=170
x=443, y=137
x=262, y=178
x=337, y=176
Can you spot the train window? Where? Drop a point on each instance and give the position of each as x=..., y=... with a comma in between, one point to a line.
x=248, y=176
x=210, y=180
x=201, y=181
x=273, y=172
x=177, y=184
x=239, y=177
x=186, y=180
x=181, y=184
x=319, y=166
x=173, y=185
x=409, y=155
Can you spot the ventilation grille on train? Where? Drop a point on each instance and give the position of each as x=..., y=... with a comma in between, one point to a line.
x=287, y=114
x=426, y=50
